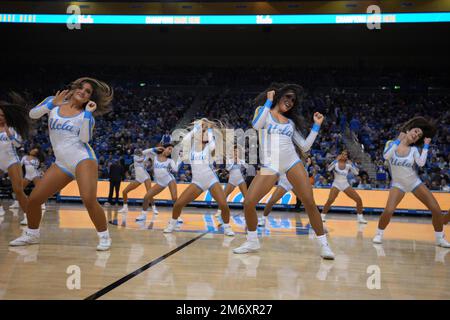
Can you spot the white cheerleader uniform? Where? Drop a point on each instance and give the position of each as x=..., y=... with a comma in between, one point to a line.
x=8, y=145
x=69, y=136
x=235, y=178
x=163, y=170
x=31, y=168
x=404, y=175
x=202, y=172
x=140, y=171
x=277, y=140
x=340, y=175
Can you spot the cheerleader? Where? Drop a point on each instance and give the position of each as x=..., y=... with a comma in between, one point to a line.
x=14, y=124
x=341, y=167
x=163, y=168
x=31, y=162
x=235, y=178
x=70, y=124
x=203, y=176
x=402, y=155
x=140, y=161
x=279, y=117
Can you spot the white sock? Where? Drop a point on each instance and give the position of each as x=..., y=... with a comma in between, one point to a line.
x=322, y=240
x=103, y=234
x=380, y=232
x=439, y=235
x=360, y=215
x=125, y=205
x=226, y=225
x=173, y=221
x=144, y=211
x=33, y=232
x=153, y=205
x=252, y=235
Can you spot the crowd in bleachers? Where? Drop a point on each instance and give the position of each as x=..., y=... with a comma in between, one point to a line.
x=146, y=107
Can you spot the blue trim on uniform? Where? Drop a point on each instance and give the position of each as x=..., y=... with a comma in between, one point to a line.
x=276, y=172
x=261, y=110
x=414, y=189
x=65, y=171
x=88, y=114
x=316, y=127
x=396, y=142
x=89, y=152
x=59, y=115
x=426, y=146
x=298, y=161
x=268, y=103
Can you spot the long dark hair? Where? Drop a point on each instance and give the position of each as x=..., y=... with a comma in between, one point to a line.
x=40, y=155
x=16, y=114
x=280, y=90
x=102, y=93
x=428, y=128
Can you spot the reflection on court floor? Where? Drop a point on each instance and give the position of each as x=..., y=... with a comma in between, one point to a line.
x=197, y=262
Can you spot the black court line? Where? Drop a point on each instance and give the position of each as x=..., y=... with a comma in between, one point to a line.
x=133, y=274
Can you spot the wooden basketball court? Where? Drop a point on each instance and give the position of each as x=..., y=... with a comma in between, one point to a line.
x=197, y=262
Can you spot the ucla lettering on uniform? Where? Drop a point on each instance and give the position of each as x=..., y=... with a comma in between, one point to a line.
x=55, y=124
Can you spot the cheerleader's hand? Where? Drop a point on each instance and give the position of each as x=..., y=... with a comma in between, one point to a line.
x=318, y=118
x=91, y=106
x=401, y=136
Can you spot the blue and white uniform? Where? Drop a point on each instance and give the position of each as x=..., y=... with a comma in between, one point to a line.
x=31, y=167
x=404, y=175
x=163, y=170
x=277, y=140
x=235, y=177
x=8, y=145
x=201, y=162
x=140, y=164
x=340, y=175
x=69, y=136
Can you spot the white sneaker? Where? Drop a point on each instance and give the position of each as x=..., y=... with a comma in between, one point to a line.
x=218, y=213
x=378, y=239
x=24, y=221
x=155, y=211
x=142, y=216
x=228, y=231
x=262, y=222
x=323, y=217
x=104, y=243
x=170, y=228
x=123, y=210
x=43, y=206
x=326, y=253
x=441, y=242
x=180, y=221
x=25, y=239
x=247, y=247
x=361, y=219
x=2, y=212
x=15, y=205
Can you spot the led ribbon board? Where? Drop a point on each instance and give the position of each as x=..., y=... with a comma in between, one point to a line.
x=227, y=19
